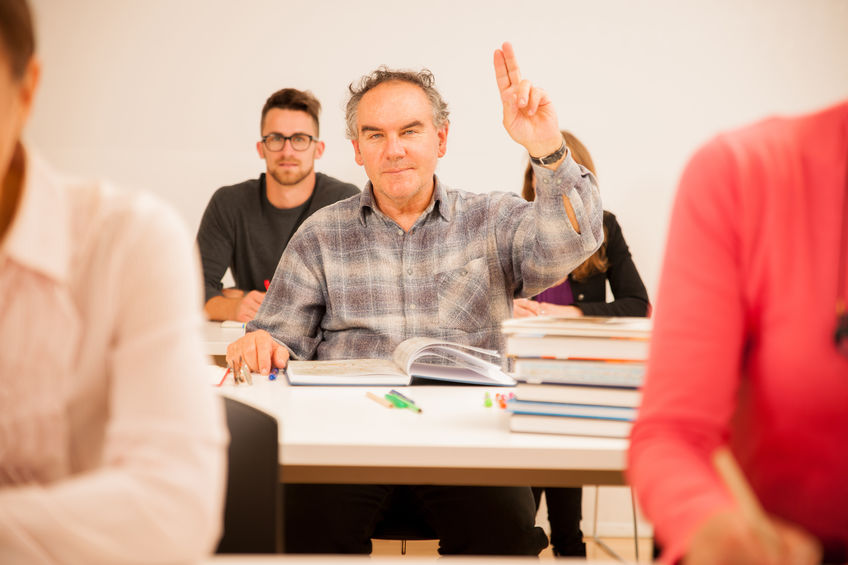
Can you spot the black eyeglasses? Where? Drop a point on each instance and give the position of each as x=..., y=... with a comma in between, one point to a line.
x=276, y=141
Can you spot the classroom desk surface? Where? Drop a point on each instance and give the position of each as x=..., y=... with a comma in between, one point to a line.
x=293, y=559
x=217, y=338
x=338, y=435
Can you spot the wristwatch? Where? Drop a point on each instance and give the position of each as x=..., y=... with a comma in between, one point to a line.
x=552, y=158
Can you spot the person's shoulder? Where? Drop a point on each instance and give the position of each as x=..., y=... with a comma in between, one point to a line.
x=479, y=206
x=480, y=198
x=782, y=136
x=332, y=187
x=234, y=193
x=109, y=213
x=334, y=213
x=610, y=221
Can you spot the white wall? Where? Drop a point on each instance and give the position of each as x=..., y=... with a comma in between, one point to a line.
x=166, y=95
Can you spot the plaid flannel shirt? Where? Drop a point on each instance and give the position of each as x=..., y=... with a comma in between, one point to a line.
x=352, y=283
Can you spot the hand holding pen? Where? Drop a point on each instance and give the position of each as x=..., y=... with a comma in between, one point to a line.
x=745, y=533
x=241, y=371
x=258, y=351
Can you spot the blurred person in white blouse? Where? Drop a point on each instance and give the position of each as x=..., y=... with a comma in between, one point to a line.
x=112, y=446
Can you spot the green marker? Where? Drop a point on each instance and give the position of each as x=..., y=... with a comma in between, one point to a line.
x=401, y=403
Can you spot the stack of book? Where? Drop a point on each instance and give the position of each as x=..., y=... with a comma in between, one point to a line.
x=576, y=376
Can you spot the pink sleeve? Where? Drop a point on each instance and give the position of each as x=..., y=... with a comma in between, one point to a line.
x=696, y=350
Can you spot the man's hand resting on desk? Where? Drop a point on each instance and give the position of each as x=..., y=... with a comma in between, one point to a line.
x=259, y=350
x=524, y=307
x=234, y=304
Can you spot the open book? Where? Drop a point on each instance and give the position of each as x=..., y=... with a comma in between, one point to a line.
x=420, y=357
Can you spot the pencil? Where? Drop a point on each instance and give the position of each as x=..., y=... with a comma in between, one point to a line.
x=379, y=400
x=733, y=478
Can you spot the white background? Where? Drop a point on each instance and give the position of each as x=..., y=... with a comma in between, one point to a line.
x=166, y=95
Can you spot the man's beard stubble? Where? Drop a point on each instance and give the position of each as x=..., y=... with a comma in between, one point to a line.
x=288, y=180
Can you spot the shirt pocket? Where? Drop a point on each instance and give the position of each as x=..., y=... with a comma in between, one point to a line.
x=464, y=297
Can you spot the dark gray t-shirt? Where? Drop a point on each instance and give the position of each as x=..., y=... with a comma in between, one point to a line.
x=242, y=230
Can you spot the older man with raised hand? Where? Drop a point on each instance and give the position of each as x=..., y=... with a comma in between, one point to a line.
x=412, y=257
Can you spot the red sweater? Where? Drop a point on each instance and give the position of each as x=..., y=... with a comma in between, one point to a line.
x=742, y=349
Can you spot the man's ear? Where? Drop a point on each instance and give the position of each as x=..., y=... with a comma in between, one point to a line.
x=260, y=149
x=442, y=133
x=356, y=154
x=319, y=149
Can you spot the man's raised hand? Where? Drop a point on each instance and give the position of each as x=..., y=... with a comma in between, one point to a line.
x=528, y=114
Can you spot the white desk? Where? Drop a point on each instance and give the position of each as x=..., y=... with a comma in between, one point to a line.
x=337, y=435
x=216, y=339
x=295, y=559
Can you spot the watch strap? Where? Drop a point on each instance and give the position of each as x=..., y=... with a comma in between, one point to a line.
x=552, y=158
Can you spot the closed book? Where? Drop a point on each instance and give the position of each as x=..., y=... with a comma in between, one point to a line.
x=577, y=347
x=579, y=372
x=626, y=413
x=579, y=394
x=597, y=326
x=569, y=426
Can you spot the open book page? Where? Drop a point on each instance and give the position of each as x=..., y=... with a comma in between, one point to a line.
x=449, y=361
x=347, y=372
x=419, y=356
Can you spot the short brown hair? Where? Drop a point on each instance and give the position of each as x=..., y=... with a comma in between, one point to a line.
x=17, y=35
x=597, y=262
x=292, y=99
x=423, y=79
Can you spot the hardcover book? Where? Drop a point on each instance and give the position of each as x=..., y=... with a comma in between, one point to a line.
x=417, y=357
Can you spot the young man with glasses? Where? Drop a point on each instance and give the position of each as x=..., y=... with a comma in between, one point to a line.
x=247, y=226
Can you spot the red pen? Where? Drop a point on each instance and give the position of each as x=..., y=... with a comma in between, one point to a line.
x=267, y=284
x=224, y=378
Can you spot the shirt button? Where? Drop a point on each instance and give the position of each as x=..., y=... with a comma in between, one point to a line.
x=581, y=296
x=400, y=232
x=409, y=271
x=412, y=306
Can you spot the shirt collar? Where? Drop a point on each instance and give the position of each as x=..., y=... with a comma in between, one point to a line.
x=439, y=202
x=39, y=237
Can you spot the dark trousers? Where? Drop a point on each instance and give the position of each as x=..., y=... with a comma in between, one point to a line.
x=565, y=510
x=467, y=520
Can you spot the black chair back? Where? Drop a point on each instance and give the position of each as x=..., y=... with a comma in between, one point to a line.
x=253, y=510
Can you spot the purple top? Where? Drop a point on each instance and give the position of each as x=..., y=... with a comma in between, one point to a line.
x=559, y=294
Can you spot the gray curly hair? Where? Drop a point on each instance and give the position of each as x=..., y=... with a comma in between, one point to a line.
x=423, y=79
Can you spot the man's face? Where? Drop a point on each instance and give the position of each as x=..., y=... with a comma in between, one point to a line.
x=397, y=142
x=287, y=166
